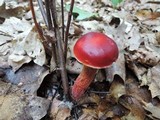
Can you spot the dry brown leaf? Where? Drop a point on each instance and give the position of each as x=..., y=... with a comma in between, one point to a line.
x=60, y=110
x=10, y=12
x=63, y=113
x=28, y=78
x=136, y=110
x=88, y=114
x=145, y=14
x=117, y=68
x=20, y=107
x=117, y=88
x=26, y=50
x=133, y=88
x=154, y=83
x=73, y=66
x=145, y=57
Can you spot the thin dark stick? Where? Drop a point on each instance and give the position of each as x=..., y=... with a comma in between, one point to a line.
x=67, y=28
x=60, y=52
x=35, y=21
x=47, y=4
x=39, y=30
x=40, y=3
x=62, y=12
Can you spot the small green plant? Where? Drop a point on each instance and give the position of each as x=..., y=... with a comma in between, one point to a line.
x=116, y=2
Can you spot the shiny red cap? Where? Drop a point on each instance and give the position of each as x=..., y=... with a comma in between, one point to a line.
x=96, y=50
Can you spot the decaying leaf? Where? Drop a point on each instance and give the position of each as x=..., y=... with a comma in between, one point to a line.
x=73, y=66
x=11, y=12
x=30, y=48
x=88, y=114
x=28, y=78
x=145, y=57
x=60, y=110
x=19, y=106
x=154, y=110
x=141, y=93
x=154, y=83
x=117, y=88
x=145, y=14
x=136, y=110
x=117, y=68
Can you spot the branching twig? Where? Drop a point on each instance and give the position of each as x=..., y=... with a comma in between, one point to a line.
x=60, y=51
x=67, y=28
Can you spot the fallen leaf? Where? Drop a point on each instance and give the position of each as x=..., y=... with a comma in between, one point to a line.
x=28, y=78
x=145, y=14
x=154, y=84
x=154, y=110
x=136, y=110
x=88, y=114
x=30, y=48
x=117, y=68
x=117, y=88
x=60, y=110
x=19, y=106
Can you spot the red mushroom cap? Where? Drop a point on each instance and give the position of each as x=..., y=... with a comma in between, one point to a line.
x=96, y=50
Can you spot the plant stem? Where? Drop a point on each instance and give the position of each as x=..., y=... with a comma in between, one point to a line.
x=67, y=29
x=60, y=52
x=40, y=3
x=62, y=12
x=39, y=30
x=35, y=21
x=47, y=4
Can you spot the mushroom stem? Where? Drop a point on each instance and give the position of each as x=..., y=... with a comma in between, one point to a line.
x=82, y=82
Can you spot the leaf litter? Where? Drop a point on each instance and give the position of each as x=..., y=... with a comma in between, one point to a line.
x=125, y=90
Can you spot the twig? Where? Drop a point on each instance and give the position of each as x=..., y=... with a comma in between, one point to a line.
x=62, y=12
x=60, y=52
x=40, y=3
x=35, y=21
x=40, y=32
x=47, y=4
x=67, y=28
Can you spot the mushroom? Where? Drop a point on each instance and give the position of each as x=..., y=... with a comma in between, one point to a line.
x=95, y=51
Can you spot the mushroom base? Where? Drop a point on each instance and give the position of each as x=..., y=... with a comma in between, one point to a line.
x=82, y=82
